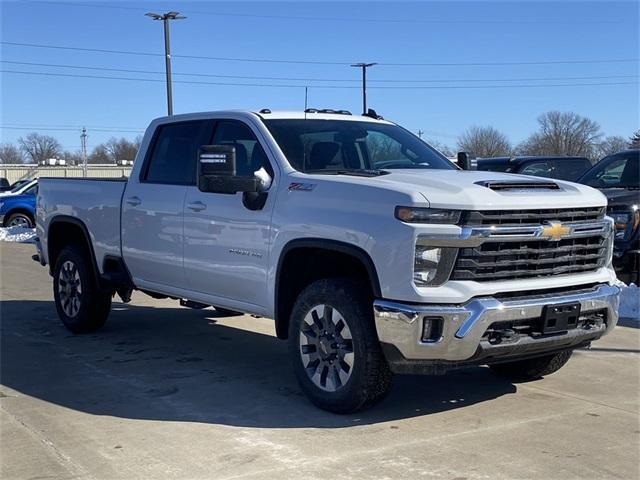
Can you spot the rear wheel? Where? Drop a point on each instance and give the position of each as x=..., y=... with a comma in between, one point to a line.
x=81, y=305
x=334, y=348
x=20, y=220
x=533, y=368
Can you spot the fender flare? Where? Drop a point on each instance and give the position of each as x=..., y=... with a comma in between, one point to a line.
x=325, y=244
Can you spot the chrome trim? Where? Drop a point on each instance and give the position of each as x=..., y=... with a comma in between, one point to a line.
x=476, y=236
x=464, y=325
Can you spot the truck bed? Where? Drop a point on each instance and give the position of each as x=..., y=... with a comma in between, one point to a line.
x=95, y=202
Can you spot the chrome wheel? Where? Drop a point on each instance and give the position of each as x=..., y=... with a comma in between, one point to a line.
x=20, y=221
x=326, y=348
x=69, y=288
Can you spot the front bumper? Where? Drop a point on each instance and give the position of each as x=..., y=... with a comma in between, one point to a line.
x=400, y=326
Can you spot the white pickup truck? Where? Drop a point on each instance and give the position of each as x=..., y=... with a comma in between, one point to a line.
x=371, y=251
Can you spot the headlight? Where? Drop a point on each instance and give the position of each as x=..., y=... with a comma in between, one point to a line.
x=625, y=221
x=432, y=265
x=427, y=215
x=425, y=266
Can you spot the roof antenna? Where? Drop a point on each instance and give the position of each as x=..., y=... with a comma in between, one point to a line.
x=306, y=95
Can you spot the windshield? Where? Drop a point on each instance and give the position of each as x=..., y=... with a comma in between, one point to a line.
x=617, y=171
x=18, y=185
x=330, y=146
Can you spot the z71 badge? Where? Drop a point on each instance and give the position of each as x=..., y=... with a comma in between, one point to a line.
x=301, y=187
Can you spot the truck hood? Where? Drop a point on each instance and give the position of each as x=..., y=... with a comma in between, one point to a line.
x=467, y=190
x=621, y=196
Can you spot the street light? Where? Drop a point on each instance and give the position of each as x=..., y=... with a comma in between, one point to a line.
x=364, y=67
x=167, y=50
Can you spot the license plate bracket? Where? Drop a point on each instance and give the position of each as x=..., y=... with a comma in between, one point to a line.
x=560, y=318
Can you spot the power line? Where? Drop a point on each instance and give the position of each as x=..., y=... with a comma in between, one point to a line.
x=400, y=87
x=66, y=129
x=318, y=62
x=350, y=19
x=117, y=128
x=308, y=79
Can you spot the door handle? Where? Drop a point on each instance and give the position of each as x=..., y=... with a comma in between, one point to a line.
x=133, y=201
x=196, y=206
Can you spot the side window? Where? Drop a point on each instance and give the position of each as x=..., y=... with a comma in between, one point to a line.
x=538, y=169
x=173, y=159
x=570, y=169
x=250, y=156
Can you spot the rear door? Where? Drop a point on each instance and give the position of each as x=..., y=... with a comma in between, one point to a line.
x=570, y=168
x=153, y=205
x=226, y=241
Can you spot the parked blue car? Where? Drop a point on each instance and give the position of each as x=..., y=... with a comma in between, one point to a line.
x=19, y=210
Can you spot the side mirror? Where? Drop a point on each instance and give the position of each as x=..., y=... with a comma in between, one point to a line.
x=217, y=171
x=465, y=161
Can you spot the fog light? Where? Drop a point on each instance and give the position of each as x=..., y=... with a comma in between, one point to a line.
x=432, y=329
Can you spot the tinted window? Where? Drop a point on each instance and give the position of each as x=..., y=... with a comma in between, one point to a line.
x=538, y=169
x=31, y=190
x=494, y=167
x=175, y=151
x=617, y=171
x=570, y=169
x=330, y=145
x=250, y=155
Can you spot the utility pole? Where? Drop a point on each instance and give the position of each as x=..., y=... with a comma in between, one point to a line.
x=420, y=133
x=83, y=147
x=165, y=17
x=364, y=67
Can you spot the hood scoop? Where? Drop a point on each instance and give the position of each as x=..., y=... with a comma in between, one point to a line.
x=506, y=185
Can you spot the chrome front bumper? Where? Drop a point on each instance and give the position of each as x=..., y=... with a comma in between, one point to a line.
x=400, y=325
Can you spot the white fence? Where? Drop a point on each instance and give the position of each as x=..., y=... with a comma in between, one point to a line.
x=14, y=173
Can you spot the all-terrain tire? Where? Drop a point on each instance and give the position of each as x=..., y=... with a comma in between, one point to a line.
x=368, y=378
x=533, y=368
x=81, y=305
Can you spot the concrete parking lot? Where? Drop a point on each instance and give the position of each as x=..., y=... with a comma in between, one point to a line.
x=167, y=392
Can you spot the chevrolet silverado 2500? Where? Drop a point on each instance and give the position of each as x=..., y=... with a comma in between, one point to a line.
x=371, y=251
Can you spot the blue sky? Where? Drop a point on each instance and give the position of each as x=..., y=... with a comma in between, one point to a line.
x=332, y=32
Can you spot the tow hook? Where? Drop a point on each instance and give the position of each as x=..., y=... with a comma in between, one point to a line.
x=498, y=336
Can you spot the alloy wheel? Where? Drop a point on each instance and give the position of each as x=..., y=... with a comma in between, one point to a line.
x=69, y=288
x=326, y=348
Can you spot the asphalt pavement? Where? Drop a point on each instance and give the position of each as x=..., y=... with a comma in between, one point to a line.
x=165, y=392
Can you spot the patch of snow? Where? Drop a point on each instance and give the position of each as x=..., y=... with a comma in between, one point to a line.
x=630, y=302
x=17, y=234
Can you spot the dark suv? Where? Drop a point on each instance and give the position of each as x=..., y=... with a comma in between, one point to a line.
x=563, y=168
x=618, y=177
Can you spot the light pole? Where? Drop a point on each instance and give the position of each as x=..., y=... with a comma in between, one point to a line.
x=167, y=50
x=364, y=67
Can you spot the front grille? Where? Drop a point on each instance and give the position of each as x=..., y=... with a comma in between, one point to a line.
x=531, y=217
x=493, y=261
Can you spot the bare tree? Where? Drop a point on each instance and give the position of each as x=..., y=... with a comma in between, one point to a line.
x=99, y=155
x=563, y=133
x=634, y=141
x=10, y=154
x=610, y=145
x=442, y=148
x=484, y=142
x=72, y=158
x=122, y=149
x=39, y=147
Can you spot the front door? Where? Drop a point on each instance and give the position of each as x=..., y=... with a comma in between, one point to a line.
x=153, y=206
x=227, y=243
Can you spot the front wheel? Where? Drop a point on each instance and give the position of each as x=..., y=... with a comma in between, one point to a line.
x=334, y=348
x=81, y=305
x=20, y=220
x=533, y=368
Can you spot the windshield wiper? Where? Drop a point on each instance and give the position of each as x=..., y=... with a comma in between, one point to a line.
x=358, y=172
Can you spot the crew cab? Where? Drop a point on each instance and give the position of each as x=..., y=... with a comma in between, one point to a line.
x=617, y=176
x=371, y=251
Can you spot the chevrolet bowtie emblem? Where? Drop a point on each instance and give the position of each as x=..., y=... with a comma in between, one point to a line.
x=555, y=231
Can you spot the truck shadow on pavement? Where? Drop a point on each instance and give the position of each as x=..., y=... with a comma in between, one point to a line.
x=175, y=364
